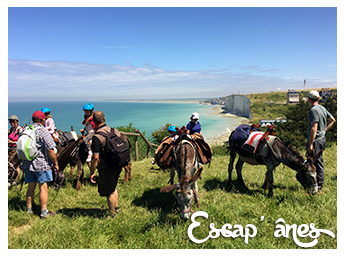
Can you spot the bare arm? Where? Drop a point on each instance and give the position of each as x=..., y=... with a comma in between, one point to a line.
x=94, y=164
x=330, y=122
x=312, y=134
x=53, y=158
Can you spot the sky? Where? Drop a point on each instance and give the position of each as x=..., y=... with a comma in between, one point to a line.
x=118, y=53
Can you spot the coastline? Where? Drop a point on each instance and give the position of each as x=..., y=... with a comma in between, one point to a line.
x=220, y=139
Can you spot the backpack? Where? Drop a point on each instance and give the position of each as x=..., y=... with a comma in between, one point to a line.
x=116, y=153
x=26, y=144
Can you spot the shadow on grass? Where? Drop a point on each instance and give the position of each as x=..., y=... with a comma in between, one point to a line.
x=237, y=187
x=91, y=212
x=164, y=203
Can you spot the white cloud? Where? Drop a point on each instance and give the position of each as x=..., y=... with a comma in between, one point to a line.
x=37, y=80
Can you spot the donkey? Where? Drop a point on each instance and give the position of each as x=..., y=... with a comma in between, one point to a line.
x=185, y=163
x=277, y=153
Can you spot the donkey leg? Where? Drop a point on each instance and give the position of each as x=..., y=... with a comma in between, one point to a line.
x=269, y=178
x=130, y=168
x=71, y=172
x=232, y=154
x=127, y=169
x=79, y=176
x=238, y=168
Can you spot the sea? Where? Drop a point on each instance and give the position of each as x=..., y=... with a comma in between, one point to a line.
x=145, y=116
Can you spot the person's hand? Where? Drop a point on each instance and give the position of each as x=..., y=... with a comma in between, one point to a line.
x=93, y=178
x=56, y=167
x=310, y=150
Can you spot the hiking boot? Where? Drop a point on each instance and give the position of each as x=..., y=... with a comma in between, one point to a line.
x=48, y=215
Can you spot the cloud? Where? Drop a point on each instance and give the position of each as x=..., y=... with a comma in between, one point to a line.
x=37, y=80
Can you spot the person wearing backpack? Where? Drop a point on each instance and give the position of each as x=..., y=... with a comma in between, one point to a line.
x=39, y=169
x=108, y=175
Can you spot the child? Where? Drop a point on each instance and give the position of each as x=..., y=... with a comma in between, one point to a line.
x=90, y=127
x=50, y=124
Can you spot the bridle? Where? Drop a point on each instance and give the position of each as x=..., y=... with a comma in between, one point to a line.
x=189, y=209
x=299, y=176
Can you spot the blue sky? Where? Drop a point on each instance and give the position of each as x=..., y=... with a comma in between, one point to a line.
x=163, y=53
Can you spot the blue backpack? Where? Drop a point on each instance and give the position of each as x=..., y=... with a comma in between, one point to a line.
x=241, y=132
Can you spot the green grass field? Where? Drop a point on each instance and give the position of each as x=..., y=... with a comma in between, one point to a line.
x=149, y=219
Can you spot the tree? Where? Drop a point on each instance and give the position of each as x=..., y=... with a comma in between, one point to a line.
x=158, y=135
x=294, y=132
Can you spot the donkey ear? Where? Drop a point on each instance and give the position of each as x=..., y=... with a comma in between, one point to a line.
x=318, y=155
x=169, y=188
x=196, y=175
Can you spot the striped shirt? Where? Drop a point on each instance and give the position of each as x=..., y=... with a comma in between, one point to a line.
x=44, y=142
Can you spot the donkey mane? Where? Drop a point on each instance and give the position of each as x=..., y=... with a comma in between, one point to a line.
x=288, y=155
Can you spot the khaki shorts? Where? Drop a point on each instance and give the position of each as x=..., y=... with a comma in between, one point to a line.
x=107, y=181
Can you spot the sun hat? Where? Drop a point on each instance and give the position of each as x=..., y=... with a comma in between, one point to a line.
x=194, y=115
x=314, y=95
x=38, y=114
x=13, y=117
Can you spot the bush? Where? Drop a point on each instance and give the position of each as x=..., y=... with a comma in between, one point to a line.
x=294, y=132
x=158, y=135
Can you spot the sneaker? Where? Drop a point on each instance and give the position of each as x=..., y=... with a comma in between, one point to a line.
x=48, y=215
x=89, y=156
x=110, y=216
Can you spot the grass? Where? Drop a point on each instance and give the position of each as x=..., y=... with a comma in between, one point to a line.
x=149, y=219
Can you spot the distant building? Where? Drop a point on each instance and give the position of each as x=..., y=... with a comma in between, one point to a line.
x=293, y=96
x=325, y=93
x=266, y=122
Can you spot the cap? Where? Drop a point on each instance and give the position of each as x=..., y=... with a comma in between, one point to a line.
x=39, y=114
x=314, y=95
x=13, y=117
x=194, y=115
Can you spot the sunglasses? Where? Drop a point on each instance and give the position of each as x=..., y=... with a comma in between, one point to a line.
x=12, y=121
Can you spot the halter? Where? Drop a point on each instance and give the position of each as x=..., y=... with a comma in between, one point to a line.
x=189, y=209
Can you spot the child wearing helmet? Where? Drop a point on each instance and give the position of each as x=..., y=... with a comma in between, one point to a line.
x=50, y=124
x=89, y=129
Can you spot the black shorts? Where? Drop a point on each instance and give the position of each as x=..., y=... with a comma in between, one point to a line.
x=107, y=181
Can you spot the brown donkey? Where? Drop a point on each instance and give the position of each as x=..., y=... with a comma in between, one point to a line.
x=186, y=164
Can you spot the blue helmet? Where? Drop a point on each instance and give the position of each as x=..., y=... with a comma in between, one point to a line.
x=88, y=106
x=45, y=110
x=172, y=128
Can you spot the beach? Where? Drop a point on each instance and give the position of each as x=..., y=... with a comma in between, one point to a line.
x=220, y=139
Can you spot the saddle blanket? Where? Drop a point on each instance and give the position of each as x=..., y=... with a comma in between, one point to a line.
x=253, y=140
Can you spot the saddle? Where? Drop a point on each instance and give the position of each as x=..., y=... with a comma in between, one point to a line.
x=255, y=143
x=164, y=154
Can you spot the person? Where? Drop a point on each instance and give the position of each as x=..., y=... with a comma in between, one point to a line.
x=319, y=121
x=13, y=132
x=89, y=128
x=108, y=178
x=193, y=126
x=12, y=141
x=39, y=170
x=50, y=124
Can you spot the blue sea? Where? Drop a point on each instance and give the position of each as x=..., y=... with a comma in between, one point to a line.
x=145, y=116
